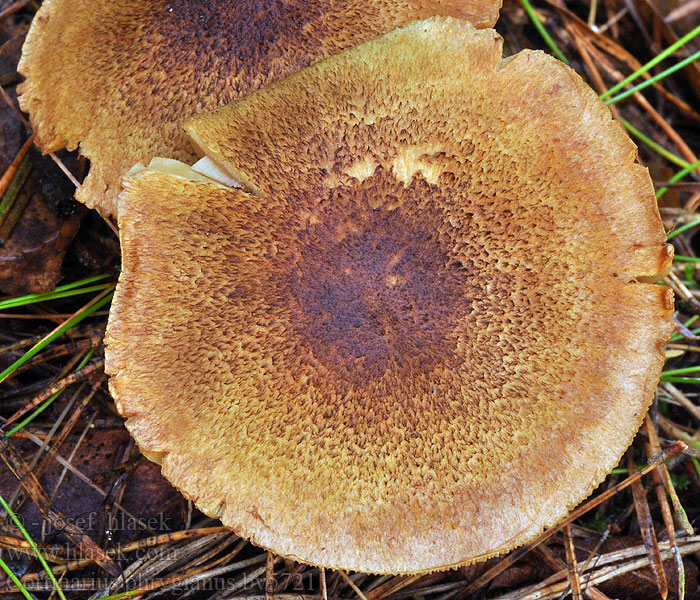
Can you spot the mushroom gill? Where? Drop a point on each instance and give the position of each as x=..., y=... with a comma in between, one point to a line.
x=415, y=337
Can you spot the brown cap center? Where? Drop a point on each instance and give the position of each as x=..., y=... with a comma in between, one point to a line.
x=373, y=284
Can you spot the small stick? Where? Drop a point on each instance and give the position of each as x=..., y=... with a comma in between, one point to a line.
x=62, y=350
x=572, y=564
x=322, y=581
x=657, y=476
x=17, y=111
x=14, y=189
x=394, y=585
x=13, y=215
x=612, y=21
x=19, y=468
x=646, y=528
x=582, y=46
x=65, y=170
x=351, y=583
x=669, y=452
x=111, y=225
x=592, y=561
x=14, y=165
x=80, y=475
x=149, y=542
x=83, y=373
x=558, y=565
x=53, y=156
x=682, y=399
x=664, y=478
x=684, y=10
x=678, y=286
x=13, y=8
x=270, y=577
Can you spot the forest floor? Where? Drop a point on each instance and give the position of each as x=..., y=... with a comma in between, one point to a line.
x=72, y=475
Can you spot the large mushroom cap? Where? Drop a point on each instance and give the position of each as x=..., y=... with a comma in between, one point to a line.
x=415, y=337
x=119, y=76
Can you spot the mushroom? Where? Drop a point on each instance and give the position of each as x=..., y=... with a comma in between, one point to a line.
x=416, y=335
x=118, y=77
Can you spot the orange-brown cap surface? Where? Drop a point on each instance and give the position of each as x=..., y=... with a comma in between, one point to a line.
x=414, y=338
x=118, y=77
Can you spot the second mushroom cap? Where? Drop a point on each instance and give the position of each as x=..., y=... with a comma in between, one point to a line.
x=118, y=77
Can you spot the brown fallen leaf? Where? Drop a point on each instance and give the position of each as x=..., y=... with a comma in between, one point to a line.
x=31, y=256
x=16, y=464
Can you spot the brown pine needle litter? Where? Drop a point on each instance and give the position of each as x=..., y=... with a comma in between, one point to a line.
x=106, y=523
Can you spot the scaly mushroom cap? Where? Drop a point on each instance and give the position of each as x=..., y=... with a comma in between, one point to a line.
x=416, y=336
x=118, y=77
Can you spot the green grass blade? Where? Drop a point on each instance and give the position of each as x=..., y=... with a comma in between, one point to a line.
x=686, y=259
x=543, y=32
x=654, y=79
x=28, y=298
x=682, y=229
x=138, y=591
x=49, y=401
x=619, y=471
x=39, y=409
x=677, y=177
x=38, y=553
x=695, y=369
x=676, y=160
x=75, y=284
x=677, y=336
x=653, y=62
x=673, y=379
x=91, y=307
x=86, y=281
x=696, y=464
x=53, y=295
x=13, y=190
x=15, y=580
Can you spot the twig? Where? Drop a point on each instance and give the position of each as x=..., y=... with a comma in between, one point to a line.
x=322, y=581
x=270, y=577
x=682, y=399
x=62, y=461
x=516, y=555
x=14, y=165
x=572, y=564
x=646, y=527
x=351, y=583
x=550, y=591
x=17, y=111
x=79, y=375
x=19, y=468
x=65, y=170
x=13, y=8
